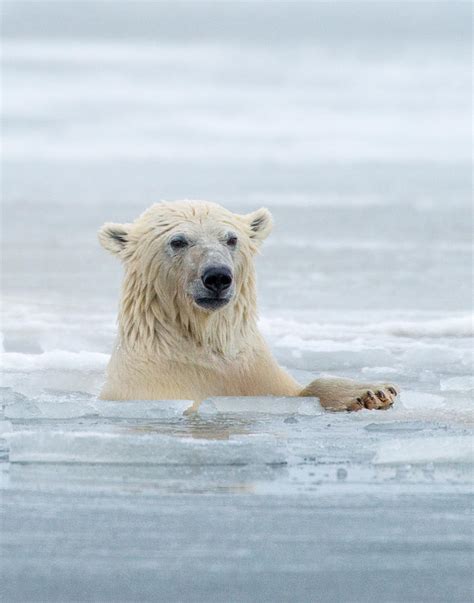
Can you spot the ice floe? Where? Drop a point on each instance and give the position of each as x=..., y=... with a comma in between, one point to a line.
x=414, y=400
x=261, y=405
x=458, y=384
x=138, y=447
x=426, y=450
x=99, y=408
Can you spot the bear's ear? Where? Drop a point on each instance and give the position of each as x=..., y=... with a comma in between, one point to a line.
x=260, y=223
x=114, y=237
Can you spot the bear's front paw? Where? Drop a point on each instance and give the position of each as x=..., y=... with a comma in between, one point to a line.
x=339, y=394
x=380, y=399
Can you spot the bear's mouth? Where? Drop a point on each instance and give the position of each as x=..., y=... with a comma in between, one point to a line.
x=212, y=303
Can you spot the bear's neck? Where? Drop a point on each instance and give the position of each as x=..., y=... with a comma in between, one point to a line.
x=148, y=327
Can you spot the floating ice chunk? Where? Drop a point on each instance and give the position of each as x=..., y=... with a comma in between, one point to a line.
x=48, y=410
x=140, y=409
x=8, y=395
x=458, y=384
x=65, y=395
x=396, y=426
x=141, y=448
x=430, y=356
x=420, y=400
x=5, y=427
x=29, y=383
x=426, y=450
x=268, y=405
x=98, y=408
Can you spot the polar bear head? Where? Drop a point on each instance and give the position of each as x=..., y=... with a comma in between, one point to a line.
x=188, y=259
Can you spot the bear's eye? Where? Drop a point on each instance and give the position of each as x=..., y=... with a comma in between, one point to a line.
x=232, y=241
x=178, y=242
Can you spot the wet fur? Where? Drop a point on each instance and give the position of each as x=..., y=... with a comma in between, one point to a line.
x=169, y=349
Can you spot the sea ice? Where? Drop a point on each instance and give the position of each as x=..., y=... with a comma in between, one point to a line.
x=380, y=372
x=267, y=405
x=456, y=326
x=9, y=395
x=413, y=400
x=436, y=357
x=141, y=448
x=142, y=409
x=338, y=359
x=55, y=360
x=458, y=449
x=5, y=427
x=98, y=408
x=396, y=426
x=356, y=295
x=48, y=410
x=458, y=384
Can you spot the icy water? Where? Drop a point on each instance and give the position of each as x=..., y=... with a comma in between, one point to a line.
x=363, y=159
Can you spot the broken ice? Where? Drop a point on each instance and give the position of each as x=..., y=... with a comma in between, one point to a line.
x=458, y=384
x=420, y=400
x=269, y=405
x=426, y=450
x=105, y=409
x=141, y=448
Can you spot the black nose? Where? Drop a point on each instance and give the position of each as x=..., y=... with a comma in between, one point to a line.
x=217, y=279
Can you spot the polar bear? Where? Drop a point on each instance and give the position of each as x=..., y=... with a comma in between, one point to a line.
x=188, y=313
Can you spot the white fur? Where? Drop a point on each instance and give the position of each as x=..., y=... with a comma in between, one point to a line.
x=169, y=348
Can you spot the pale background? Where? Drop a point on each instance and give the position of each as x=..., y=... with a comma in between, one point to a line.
x=351, y=122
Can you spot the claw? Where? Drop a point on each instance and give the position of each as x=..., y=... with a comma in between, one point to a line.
x=371, y=402
x=381, y=395
x=392, y=390
x=355, y=406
